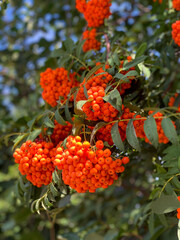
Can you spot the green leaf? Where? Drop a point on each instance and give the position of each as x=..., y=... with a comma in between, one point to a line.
x=57, y=53
x=131, y=136
x=69, y=45
x=141, y=49
x=80, y=104
x=85, y=91
x=37, y=205
x=151, y=224
x=169, y=130
x=48, y=122
x=131, y=73
x=79, y=48
x=67, y=113
x=54, y=191
x=116, y=137
x=165, y=204
x=111, y=234
x=96, y=128
x=114, y=98
x=163, y=219
x=31, y=123
x=55, y=177
x=134, y=62
x=150, y=129
x=179, y=162
x=59, y=118
x=19, y=139
x=21, y=184
x=116, y=59
x=92, y=71
x=47, y=202
x=34, y=134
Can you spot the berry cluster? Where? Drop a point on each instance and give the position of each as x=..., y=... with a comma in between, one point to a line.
x=60, y=132
x=57, y=84
x=85, y=168
x=97, y=108
x=35, y=161
x=176, y=32
x=95, y=11
x=100, y=80
x=172, y=101
x=91, y=42
x=104, y=133
x=176, y=4
x=81, y=5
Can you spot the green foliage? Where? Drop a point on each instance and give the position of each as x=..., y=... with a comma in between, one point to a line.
x=142, y=203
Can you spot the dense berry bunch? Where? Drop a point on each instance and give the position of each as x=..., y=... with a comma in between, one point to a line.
x=95, y=11
x=35, y=161
x=60, y=132
x=176, y=32
x=172, y=101
x=96, y=108
x=176, y=4
x=56, y=83
x=85, y=168
x=81, y=5
x=104, y=133
x=91, y=43
x=100, y=80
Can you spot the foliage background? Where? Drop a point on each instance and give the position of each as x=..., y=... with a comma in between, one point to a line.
x=29, y=31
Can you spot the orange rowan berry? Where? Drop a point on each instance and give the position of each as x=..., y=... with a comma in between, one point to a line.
x=91, y=43
x=88, y=171
x=125, y=160
x=39, y=163
x=100, y=144
x=176, y=32
x=57, y=83
x=176, y=4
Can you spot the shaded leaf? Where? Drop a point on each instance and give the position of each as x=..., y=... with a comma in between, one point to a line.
x=141, y=49
x=150, y=129
x=34, y=134
x=92, y=71
x=134, y=62
x=96, y=128
x=114, y=98
x=48, y=122
x=54, y=191
x=151, y=224
x=116, y=137
x=165, y=204
x=59, y=118
x=67, y=113
x=131, y=136
x=169, y=130
x=19, y=139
